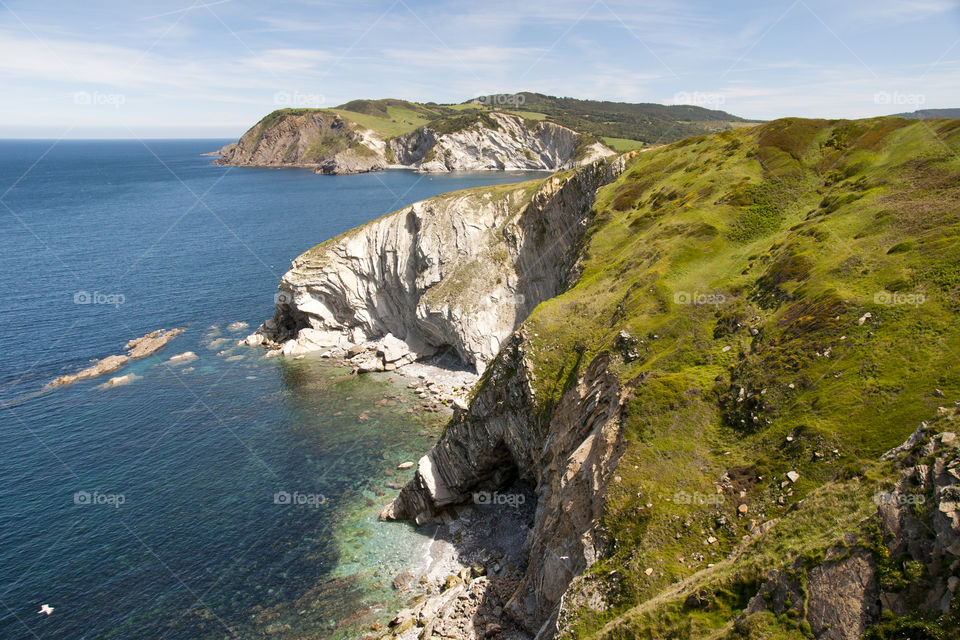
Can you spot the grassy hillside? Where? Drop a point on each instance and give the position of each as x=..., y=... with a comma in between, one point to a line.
x=646, y=122
x=392, y=118
x=931, y=113
x=623, y=126
x=791, y=294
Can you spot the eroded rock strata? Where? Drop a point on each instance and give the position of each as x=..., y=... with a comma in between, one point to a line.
x=669, y=501
x=569, y=456
x=457, y=273
x=328, y=143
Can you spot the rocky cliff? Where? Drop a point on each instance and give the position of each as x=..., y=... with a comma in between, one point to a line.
x=495, y=141
x=568, y=454
x=457, y=272
x=325, y=141
x=706, y=353
x=306, y=138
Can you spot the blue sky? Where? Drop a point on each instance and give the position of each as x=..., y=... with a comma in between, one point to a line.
x=211, y=68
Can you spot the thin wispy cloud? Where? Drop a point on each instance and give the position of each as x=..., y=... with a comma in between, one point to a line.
x=193, y=7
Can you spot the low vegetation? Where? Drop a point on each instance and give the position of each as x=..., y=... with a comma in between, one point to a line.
x=790, y=292
x=622, y=126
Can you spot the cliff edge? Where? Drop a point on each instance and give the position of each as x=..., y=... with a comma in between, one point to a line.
x=708, y=360
x=329, y=143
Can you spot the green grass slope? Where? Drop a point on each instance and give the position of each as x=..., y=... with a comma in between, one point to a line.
x=648, y=123
x=623, y=126
x=791, y=292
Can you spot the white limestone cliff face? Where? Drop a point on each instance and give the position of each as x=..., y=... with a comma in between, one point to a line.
x=510, y=144
x=462, y=271
x=328, y=143
x=458, y=272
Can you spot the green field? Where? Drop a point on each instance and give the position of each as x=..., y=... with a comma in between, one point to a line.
x=622, y=144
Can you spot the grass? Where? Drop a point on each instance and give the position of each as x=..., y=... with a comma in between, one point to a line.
x=622, y=144
x=622, y=126
x=649, y=123
x=743, y=263
x=396, y=123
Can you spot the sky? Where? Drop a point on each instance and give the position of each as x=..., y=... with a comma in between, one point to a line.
x=212, y=68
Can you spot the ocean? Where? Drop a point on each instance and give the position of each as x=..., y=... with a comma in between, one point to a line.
x=225, y=497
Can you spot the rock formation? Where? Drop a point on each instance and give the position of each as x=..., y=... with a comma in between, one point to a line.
x=137, y=348
x=571, y=464
x=902, y=559
x=498, y=141
x=459, y=272
x=651, y=419
x=328, y=143
x=315, y=139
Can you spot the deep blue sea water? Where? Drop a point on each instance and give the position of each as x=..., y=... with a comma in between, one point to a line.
x=148, y=510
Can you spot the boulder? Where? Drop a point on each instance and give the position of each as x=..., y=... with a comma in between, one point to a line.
x=391, y=348
x=181, y=358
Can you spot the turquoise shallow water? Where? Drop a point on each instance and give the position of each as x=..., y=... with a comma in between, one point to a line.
x=158, y=509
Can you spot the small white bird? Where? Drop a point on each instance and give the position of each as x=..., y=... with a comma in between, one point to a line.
x=47, y=609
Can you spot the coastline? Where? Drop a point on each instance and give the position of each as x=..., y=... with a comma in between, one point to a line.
x=473, y=557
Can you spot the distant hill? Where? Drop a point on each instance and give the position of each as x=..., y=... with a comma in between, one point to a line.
x=924, y=114
x=531, y=130
x=645, y=122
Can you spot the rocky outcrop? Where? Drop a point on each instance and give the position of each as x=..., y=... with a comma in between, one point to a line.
x=98, y=368
x=137, y=348
x=456, y=273
x=905, y=558
x=328, y=143
x=317, y=139
x=496, y=141
x=152, y=342
x=569, y=456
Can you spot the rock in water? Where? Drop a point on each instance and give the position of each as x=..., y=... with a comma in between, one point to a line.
x=152, y=342
x=108, y=364
x=180, y=358
x=137, y=348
